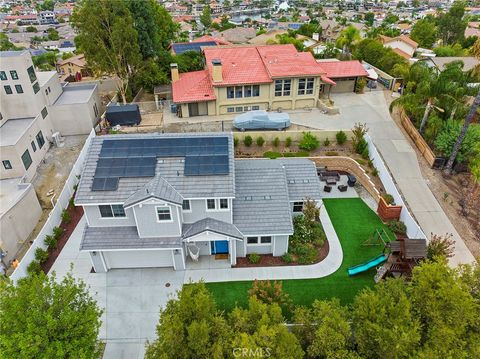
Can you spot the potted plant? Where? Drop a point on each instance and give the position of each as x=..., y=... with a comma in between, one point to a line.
x=387, y=209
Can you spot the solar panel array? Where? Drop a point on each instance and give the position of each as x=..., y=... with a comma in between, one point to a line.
x=204, y=156
x=180, y=48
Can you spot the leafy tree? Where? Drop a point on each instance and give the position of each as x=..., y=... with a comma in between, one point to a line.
x=189, y=61
x=206, y=17
x=150, y=75
x=424, y=32
x=287, y=38
x=348, y=38
x=449, y=50
x=42, y=317
x=384, y=316
x=447, y=140
x=52, y=34
x=31, y=29
x=261, y=327
x=369, y=18
x=108, y=39
x=373, y=52
x=47, y=5
x=5, y=44
x=271, y=292
x=440, y=246
x=67, y=55
x=46, y=61
x=391, y=19
x=191, y=327
x=451, y=25
x=309, y=29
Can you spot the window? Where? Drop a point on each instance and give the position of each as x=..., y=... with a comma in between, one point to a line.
x=230, y=92
x=36, y=87
x=186, y=205
x=252, y=240
x=322, y=87
x=7, y=164
x=34, y=147
x=40, y=139
x=210, y=204
x=297, y=206
x=44, y=112
x=246, y=108
x=19, y=88
x=8, y=89
x=238, y=91
x=265, y=240
x=259, y=240
x=223, y=203
x=26, y=159
x=230, y=109
x=31, y=74
x=256, y=90
x=163, y=214
x=243, y=91
x=282, y=87
x=95, y=109
x=3, y=75
x=110, y=211
x=239, y=109
x=248, y=91
x=305, y=86
x=14, y=75
x=255, y=108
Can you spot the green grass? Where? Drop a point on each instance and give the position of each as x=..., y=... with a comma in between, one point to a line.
x=354, y=223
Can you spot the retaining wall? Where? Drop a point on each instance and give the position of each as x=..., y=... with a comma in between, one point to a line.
x=294, y=135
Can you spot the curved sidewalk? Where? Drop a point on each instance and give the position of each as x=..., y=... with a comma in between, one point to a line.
x=329, y=265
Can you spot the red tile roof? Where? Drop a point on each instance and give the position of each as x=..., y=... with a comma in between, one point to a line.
x=404, y=38
x=193, y=86
x=339, y=69
x=402, y=53
x=217, y=40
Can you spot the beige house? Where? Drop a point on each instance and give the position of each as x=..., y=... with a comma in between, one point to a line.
x=73, y=66
x=402, y=45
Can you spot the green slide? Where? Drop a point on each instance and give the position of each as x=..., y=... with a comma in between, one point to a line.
x=367, y=265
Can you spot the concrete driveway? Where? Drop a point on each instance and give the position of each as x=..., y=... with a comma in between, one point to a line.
x=398, y=154
x=131, y=299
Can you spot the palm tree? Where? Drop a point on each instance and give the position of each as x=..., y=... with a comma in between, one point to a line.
x=456, y=148
x=347, y=38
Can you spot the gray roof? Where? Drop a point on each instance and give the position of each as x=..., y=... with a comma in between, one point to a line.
x=469, y=62
x=13, y=53
x=302, y=179
x=159, y=188
x=261, y=204
x=73, y=94
x=105, y=238
x=212, y=225
x=171, y=169
x=13, y=129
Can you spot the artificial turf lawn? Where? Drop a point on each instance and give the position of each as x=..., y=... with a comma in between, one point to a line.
x=354, y=223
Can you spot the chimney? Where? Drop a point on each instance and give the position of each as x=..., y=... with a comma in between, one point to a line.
x=174, y=72
x=315, y=36
x=217, y=70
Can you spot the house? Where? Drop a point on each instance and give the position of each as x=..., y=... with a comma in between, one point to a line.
x=402, y=45
x=244, y=78
x=345, y=74
x=73, y=67
x=237, y=35
x=156, y=200
x=439, y=63
x=47, y=17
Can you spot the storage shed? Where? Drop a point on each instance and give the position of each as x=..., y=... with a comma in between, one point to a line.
x=124, y=115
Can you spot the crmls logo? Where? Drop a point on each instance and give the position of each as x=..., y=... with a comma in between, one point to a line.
x=252, y=353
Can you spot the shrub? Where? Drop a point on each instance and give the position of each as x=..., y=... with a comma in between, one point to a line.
x=365, y=153
x=360, y=85
x=41, y=255
x=397, y=227
x=306, y=254
x=254, y=258
x=50, y=241
x=331, y=153
x=341, y=137
x=361, y=146
x=260, y=141
x=270, y=292
x=309, y=142
x=287, y=258
x=276, y=142
x=66, y=218
x=375, y=172
x=247, y=141
x=34, y=268
x=359, y=131
x=272, y=154
x=71, y=202
x=440, y=246
x=388, y=198
x=296, y=154
x=235, y=142
x=370, y=163
x=288, y=142
x=326, y=142
x=57, y=232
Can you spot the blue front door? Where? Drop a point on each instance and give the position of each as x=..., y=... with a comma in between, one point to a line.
x=219, y=247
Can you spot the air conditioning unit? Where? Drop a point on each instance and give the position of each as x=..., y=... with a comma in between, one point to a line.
x=58, y=139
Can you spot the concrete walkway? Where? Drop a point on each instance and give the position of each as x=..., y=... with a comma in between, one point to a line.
x=329, y=265
x=398, y=155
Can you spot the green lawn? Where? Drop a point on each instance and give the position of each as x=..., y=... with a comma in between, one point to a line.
x=354, y=222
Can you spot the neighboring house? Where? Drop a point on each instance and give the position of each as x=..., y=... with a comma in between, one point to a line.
x=237, y=35
x=47, y=17
x=150, y=199
x=243, y=78
x=469, y=62
x=73, y=68
x=402, y=45
x=345, y=74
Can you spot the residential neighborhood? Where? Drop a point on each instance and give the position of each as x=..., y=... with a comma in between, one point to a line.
x=239, y=179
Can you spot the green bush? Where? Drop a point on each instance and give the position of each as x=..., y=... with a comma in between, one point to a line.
x=34, y=268
x=254, y=258
x=260, y=141
x=341, y=137
x=332, y=153
x=272, y=155
x=388, y=198
x=365, y=153
x=397, y=227
x=71, y=202
x=57, y=232
x=41, y=255
x=375, y=172
x=370, y=163
x=50, y=241
x=287, y=258
x=276, y=142
x=247, y=141
x=309, y=142
x=235, y=141
x=288, y=142
x=306, y=254
x=66, y=218
x=326, y=142
x=360, y=146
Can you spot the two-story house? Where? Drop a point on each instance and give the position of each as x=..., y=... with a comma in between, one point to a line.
x=154, y=200
x=251, y=77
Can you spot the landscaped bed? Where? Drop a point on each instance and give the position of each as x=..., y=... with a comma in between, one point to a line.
x=354, y=222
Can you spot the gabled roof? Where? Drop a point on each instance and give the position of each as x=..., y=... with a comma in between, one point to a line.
x=403, y=38
x=339, y=69
x=302, y=179
x=216, y=40
x=401, y=53
x=157, y=188
x=211, y=225
x=193, y=86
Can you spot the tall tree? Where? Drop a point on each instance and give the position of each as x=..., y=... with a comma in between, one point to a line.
x=41, y=317
x=347, y=39
x=108, y=39
x=206, y=17
x=452, y=25
x=424, y=32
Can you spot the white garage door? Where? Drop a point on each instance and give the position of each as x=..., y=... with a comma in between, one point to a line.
x=138, y=259
x=344, y=85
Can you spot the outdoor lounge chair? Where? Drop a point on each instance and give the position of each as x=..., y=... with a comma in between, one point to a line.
x=194, y=252
x=342, y=188
x=327, y=189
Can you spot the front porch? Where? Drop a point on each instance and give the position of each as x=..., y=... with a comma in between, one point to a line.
x=207, y=262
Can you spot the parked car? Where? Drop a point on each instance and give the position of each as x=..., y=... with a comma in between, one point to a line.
x=262, y=120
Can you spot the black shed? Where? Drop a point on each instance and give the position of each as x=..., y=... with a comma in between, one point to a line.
x=124, y=115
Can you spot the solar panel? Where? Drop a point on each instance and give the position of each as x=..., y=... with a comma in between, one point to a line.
x=105, y=184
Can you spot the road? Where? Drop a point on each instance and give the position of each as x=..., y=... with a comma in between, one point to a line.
x=398, y=154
